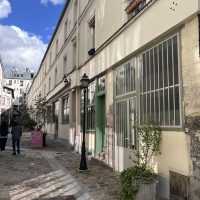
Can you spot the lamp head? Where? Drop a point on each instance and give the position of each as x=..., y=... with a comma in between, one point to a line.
x=84, y=81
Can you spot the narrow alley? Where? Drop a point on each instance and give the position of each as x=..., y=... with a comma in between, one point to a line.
x=51, y=173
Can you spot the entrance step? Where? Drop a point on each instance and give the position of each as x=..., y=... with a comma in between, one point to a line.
x=99, y=159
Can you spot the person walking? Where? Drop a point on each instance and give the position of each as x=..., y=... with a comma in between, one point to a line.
x=16, y=132
x=3, y=135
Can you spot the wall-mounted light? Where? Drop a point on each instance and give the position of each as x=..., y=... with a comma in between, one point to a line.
x=67, y=79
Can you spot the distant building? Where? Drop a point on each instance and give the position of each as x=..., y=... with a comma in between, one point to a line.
x=6, y=97
x=20, y=82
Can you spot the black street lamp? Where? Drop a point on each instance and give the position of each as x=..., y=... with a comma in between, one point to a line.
x=84, y=86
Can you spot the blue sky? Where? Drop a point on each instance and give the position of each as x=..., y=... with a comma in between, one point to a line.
x=26, y=27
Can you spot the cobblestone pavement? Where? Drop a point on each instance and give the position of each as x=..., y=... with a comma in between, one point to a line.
x=50, y=173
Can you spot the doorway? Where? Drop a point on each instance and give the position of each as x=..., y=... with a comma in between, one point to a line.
x=100, y=139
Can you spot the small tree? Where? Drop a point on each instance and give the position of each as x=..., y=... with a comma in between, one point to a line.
x=149, y=141
x=24, y=119
x=40, y=111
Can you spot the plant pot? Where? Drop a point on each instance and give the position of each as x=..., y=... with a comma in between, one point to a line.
x=147, y=189
x=133, y=4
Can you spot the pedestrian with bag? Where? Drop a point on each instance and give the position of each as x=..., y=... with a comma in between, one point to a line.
x=3, y=135
x=16, y=132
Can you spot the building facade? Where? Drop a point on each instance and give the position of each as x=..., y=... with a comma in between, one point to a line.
x=20, y=82
x=142, y=58
x=6, y=97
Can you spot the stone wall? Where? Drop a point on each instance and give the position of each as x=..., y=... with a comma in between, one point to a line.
x=192, y=124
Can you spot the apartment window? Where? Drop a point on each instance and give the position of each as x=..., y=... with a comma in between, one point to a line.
x=10, y=82
x=74, y=53
x=125, y=116
x=50, y=57
x=65, y=109
x=14, y=81
x=125, y=78
x=90, y=116
x=21, y=83
x=3, y=101
x=22, y=75
x=56, y=47
x=159, y=85
x=91, y=34
x=32, y=75
x=49, y=84
x=66, y=29
x=75, y=12
x=55, y=77
x=64, y=64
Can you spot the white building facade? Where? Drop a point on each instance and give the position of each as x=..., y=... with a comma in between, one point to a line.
x=20, y=82
x=142, y=58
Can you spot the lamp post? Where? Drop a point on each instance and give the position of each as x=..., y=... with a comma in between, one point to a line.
x=84, y=85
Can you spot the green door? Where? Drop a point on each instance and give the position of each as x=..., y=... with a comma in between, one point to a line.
x=100, y=123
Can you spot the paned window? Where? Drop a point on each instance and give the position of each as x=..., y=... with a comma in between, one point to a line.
x=91, y=106
x=49, y=114
x=65, y=109
x=101, y=84
x=159, y=84
x=125, y=78
x=56, y=111
x=125, y=116
x=21, y=83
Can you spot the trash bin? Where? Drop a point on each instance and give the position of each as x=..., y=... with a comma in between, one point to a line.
x=37, y=139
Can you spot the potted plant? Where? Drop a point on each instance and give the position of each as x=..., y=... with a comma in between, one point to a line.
x=139, y=181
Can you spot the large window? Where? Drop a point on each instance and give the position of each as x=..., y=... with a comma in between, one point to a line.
x=65, y=109
x=159, y=84
x=125, y=78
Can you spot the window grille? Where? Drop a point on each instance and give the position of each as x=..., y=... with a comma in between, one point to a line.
x=159, y=84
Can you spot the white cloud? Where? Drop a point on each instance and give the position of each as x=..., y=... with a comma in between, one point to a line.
x=20, y=48
x=55, y=2
x=5, y=8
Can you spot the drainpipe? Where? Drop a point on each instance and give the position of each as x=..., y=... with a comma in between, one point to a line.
x=199, y=32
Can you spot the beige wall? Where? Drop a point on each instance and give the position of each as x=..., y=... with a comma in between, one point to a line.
x=175, y=154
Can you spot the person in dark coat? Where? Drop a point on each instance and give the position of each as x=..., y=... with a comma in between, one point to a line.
x=16, y=132
x=3, y=135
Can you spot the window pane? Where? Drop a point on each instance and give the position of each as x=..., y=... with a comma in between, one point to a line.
x=144, y=72
x=161, y=108
x=148, y=71
x=177, y=109
x=152, y=77
x=166, y=107
x=165, y=64
x=175, y=56
x=160, y=67
x=156, y=67
x=170, y=62
x=171, y=104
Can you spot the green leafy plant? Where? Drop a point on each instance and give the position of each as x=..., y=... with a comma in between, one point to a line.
x=149, y=141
